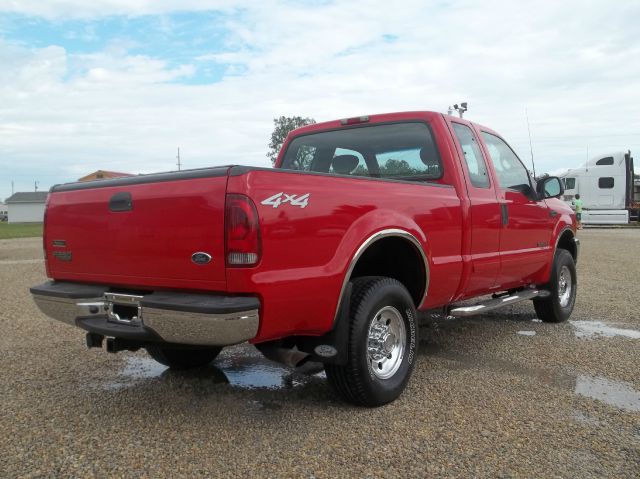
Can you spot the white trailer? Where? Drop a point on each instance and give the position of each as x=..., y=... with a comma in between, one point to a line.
x=606, y=187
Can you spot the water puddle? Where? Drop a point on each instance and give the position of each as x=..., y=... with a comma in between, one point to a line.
x=20, y=261
x=138, y=368
x=591, y=329
x=615, y=393
x=239, y=366
x=135, y=370
x=526, y=333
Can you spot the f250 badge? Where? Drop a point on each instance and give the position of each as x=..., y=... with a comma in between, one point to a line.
x=281, y=198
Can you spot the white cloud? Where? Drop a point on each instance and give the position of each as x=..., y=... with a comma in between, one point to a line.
x=67, y=114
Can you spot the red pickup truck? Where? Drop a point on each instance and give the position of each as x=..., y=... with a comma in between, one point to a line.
x=328, y=256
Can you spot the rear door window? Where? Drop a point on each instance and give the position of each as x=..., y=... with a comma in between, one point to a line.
x=472, y=156
x=403, y=151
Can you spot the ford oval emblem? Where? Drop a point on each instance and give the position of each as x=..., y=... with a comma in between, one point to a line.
x=200, y=257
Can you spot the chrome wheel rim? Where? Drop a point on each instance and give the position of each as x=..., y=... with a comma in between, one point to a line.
x=386, y=342
x=565, y=286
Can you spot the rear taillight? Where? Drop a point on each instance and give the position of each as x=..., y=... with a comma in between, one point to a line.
x=242, y=231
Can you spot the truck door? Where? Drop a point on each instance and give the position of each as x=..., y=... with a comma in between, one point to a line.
x=526, y=220
x=484, y=218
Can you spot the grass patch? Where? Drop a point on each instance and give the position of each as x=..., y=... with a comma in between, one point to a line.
x=20, y=230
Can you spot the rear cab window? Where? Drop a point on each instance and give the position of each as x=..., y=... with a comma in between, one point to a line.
x=400, y=151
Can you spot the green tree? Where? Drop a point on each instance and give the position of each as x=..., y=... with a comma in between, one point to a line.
x=397, y=168
x=281, y=128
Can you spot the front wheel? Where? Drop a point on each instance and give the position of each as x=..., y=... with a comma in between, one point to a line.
x=177, y=357
x=563, y=286
x=383, y=335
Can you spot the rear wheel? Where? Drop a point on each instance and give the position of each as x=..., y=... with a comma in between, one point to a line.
x=557, y=307
x=383, y=335
x=177, y=357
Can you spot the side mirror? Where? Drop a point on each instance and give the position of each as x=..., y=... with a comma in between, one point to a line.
x=550, y=187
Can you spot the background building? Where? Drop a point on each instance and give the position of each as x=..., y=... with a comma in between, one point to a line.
x=103, y=175
x=26, y=207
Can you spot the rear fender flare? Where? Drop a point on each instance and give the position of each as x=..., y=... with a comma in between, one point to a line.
x=338, y=336
x=385, y=233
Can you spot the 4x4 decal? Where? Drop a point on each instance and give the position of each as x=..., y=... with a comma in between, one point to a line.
x=281, y=198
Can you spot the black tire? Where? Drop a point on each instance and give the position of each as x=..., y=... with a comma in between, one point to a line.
x=551, y=309
x=357, y=382
x=177, y=357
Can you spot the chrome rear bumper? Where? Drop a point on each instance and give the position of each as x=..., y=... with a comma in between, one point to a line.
x=181, y=318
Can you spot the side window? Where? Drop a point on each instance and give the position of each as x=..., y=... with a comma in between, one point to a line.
x=569, y=183
x=605, y=161
x=472, y=155
x=605, y=183
x=509, y=169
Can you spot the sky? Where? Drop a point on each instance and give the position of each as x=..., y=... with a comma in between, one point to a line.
x=121, y=84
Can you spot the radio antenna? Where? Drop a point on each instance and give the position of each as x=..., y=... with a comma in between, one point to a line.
x=530, y=144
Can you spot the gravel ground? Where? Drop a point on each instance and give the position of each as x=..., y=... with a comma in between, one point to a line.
x=501, y=395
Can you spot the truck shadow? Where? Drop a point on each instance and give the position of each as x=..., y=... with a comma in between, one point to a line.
x=239, y=369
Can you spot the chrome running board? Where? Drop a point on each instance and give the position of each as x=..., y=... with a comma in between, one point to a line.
x=495, y=303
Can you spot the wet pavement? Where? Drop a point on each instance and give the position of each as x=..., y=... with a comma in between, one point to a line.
x=239, y=366
x=245, y=368
x=499, y=395
x=593, y=329
x=614, y=393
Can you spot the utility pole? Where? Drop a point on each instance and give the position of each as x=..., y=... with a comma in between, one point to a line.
x=12, y=188
x=586, y=165
x=178, y=157
x=35, y=185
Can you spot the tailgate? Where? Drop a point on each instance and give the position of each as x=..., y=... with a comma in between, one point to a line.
x=140, y=231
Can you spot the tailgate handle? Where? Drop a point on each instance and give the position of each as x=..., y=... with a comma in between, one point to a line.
x=121, y=202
